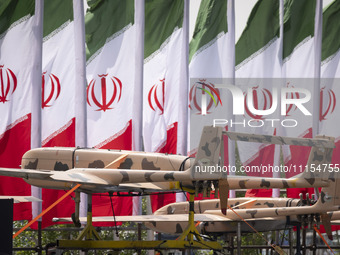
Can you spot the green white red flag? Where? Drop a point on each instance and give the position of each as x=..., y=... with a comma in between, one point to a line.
x=19, y=69
x=299, y=70
x=330, y=77
x=165, y=80
x=57, y=96
x=211, y=56
x=258, y=67
x=111, y=58
x=165, y=77
x=113, y=91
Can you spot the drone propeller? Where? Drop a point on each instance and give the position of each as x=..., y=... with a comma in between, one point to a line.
x=224, y=191
x=326, y=222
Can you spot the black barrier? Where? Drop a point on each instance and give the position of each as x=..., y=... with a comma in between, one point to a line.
x=6, y=223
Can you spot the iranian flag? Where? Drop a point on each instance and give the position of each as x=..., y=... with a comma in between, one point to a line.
x=19, y=67
x=211, y=60
x=114, y=82
x=301, y=69
x=113, y=85
x=58, y=77
x=258, y=69
x=330, y=77
x=165, y=79
x=329, y=111
x=58, y=93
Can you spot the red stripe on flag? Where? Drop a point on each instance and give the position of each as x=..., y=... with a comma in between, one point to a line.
x=298, y=156
x=65, y=137
x=160, y=200
x=102, y=207
x=120, y=141
x=265, y=157
x=13, y=144
x=169, y=146
x=101, y=204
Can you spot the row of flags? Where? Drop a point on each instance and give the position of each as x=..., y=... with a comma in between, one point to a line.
x=125, y=76
x=295, y=49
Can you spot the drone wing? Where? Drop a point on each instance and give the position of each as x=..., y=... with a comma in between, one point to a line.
x=97, y=180
x=25, y=173
x=22, y=199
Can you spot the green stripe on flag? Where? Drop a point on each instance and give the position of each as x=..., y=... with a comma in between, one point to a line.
x=263, y=26
x=104, y=19
x=161, y=19
x=331, y=30
x=211, y=21
x=56, y=13
x=298, y=23
x=12, y=11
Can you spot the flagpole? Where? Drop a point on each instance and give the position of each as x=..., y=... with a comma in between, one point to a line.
x=36, y=94
x=183, y=117
x=80, y=57
x=183, y=148
x=317, y=66
x=80, y=89
x=230, y=74
x=317, y=72
x=277, y=150
x=137, y=118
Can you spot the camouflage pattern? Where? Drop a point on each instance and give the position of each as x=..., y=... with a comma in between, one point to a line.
x=208, y=153
x=264, y=213
x=112, y=170
x=215, y=227
x=236, y=203
x=70, y=165
x=205, y=224
x=178, y=212
x=320, y=141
